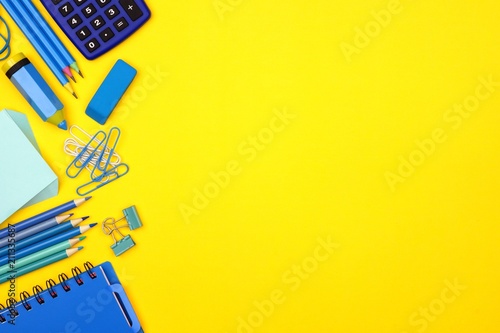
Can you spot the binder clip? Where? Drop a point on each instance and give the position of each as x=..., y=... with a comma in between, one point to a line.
x=122, y=245
x=133, y=219
x=110, y=227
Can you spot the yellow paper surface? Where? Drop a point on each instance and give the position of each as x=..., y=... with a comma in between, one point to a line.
x=304, y=166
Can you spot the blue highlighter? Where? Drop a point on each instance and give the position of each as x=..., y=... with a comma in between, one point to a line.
x=35, y=90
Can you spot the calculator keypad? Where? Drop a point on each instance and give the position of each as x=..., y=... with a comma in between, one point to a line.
x=96, y=26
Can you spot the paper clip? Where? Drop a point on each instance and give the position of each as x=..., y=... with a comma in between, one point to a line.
x=6, y=47
x=109, y=176
x=74, y=145
x=86, y=155
x=109, y=151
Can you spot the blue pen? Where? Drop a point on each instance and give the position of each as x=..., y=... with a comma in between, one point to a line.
x=16, y=227
x=37, y=44
x=50, y=33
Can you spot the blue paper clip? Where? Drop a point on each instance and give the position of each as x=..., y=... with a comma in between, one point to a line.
x=105, y=151
x=81, y=161
x=6, y=47
x=109, y=176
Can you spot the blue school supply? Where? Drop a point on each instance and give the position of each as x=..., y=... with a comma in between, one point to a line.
x=65, y=307
x=95, y=27
x=110, y=227
x=6, y=47
x=25, y=177
x=111, y=91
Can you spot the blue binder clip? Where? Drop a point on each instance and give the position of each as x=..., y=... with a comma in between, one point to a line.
x=123, y=245
x=133, y=219
x=110, y=227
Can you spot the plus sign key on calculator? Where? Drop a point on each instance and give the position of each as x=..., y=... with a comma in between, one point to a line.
x=96, y=26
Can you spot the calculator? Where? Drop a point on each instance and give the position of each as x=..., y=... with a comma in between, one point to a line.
x=97, y=26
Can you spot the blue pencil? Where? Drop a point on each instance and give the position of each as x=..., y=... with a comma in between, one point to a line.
x=53, y=37
x=39, y=228
x=45, y=244
x=43, y=216
x=39, y=264
x=19, y=262
x=34, y=26
x=41, y=48
x=38, y=237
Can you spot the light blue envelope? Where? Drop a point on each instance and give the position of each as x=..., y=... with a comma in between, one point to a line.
x=25, y=177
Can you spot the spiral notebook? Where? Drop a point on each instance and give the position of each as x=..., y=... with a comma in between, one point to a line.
x=92, y=300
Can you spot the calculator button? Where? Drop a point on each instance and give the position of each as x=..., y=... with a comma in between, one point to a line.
x=83, y=33
x=79, y=2
x=97, y=22
x=66, y=9
x=92, y=45
x=89, y=10
x=103, y=3
x=121, y=24
x=56, y=2
x=112, y=12
x=106, y=34
x=132, y=9
x=75, y=21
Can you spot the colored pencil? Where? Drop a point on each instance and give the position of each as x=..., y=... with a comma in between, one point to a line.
x=13, y=230
x=18, y=263
x=44, y=235
x=37, y=27
x=61, y=238
x=40, y=236
x=44, y=216
x=38, y=264
x=24, y=23
x=39, y=228
x=47, y=30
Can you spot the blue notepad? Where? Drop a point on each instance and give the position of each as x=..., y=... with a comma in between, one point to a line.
x=89, y=300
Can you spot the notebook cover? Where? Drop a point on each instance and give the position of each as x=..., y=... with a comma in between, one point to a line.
x=97, y=305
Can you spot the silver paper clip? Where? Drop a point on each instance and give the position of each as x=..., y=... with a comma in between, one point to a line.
x=86, y=155
x=113, y=137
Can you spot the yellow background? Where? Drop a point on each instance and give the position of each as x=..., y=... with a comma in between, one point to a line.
x=322, y=178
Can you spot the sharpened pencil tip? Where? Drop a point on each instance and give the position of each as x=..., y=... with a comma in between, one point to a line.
x=74, y=94
x=79, y=248
x=82, y=238
x=85, y=217
x=87, y=198
x=92, y=225
x=72, y=78
x=80, y=73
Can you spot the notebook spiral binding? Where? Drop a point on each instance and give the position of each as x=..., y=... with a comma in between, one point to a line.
x=76, y=272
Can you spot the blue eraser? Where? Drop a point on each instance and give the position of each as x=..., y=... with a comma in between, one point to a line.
x=111, y=91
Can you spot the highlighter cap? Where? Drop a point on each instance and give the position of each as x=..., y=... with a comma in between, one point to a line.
x=10, y=65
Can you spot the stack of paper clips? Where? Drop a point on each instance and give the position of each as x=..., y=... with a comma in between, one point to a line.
x=97, y=155
x=5, y=49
